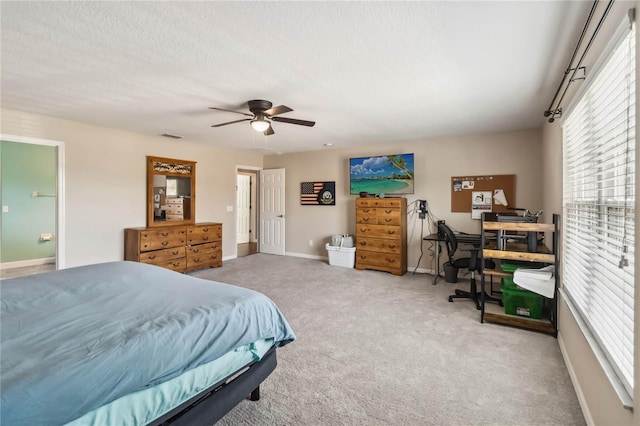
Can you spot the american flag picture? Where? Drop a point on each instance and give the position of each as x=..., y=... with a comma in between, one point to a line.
x=317, y=193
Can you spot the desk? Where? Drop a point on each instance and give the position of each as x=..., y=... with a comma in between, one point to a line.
x=473, y=239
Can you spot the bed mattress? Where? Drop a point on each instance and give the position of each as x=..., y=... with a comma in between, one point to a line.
x=77, y=339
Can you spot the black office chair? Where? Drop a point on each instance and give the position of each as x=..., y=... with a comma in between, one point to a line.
x=472, y=263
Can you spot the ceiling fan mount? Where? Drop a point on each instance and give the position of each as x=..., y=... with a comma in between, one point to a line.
x=262, y=114
x=259, y=106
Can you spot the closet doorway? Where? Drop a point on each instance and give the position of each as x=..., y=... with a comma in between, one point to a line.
x=246, y=216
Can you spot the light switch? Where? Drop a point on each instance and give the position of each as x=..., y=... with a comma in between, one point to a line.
x=5, y=209
x=229, y=209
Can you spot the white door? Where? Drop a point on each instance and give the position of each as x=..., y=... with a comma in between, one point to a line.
x=243, y=208
x=272, y=211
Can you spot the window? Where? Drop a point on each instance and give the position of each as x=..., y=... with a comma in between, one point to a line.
x=599, y=208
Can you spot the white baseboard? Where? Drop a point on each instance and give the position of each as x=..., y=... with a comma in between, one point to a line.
x=306, y=256
x=235, y=256
x=420, y=270
x=30, y=262
x=576, y=385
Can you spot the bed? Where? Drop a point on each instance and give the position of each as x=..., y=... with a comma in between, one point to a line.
x=131, y=344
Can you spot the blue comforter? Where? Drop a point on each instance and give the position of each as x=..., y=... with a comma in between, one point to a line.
x=76, y=339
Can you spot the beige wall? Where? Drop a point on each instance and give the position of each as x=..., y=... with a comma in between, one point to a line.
x=105, y=182
x=600, y=403
x=436, y=161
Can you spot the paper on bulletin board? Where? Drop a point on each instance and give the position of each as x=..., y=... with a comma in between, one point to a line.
x=481, y=202
x=500, y=198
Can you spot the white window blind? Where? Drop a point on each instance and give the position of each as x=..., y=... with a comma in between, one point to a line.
x=599, y=204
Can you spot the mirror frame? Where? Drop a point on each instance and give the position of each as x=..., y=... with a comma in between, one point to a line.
x=172, y=167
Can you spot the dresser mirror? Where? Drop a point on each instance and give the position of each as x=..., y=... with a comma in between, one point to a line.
x=171, y=191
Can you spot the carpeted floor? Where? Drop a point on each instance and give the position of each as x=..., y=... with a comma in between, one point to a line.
x=376, y=349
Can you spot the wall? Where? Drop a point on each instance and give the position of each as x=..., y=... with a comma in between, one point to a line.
x=27, y=168
x=436, y=161
x=600, y=404
x=105, y=182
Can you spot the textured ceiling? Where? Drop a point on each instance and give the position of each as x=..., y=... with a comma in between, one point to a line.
x=366, y=72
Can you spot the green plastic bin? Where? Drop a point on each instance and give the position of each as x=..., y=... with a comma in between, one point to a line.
x=507, y=282
x=520, y=302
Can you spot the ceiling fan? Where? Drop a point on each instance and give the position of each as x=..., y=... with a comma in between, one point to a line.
x=262, y=112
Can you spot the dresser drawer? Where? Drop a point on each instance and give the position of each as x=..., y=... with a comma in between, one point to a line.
x=378, y=231
x=178, y=265
x=162, y=238
x=174, y=209
x=393, y=202
x=204, y=234
x=386, y=260
x=383, y=245
x=203, y=248
x=370, y=202
x=174, y=217
x=161, y=255
x=197, y=261
x=389, y=216
x=174, y=201
x=366, y=215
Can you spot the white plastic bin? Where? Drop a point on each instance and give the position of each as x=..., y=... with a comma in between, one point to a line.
x=342, y=240
x=341, y=256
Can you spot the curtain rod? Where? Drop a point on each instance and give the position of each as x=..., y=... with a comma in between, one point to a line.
x=551, y=112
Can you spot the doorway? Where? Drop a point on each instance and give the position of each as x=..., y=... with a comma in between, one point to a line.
x=32, y=205
x=246, y=212
x=272, y=217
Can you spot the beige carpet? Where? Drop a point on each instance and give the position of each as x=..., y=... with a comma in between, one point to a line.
x=377, y=349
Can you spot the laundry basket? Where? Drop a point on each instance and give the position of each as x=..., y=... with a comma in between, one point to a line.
x=341, y=256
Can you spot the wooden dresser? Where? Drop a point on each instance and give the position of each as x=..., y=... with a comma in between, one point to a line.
x=381, y=234
x=180, y=247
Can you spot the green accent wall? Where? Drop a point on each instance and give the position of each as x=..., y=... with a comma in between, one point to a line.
x=26, y=168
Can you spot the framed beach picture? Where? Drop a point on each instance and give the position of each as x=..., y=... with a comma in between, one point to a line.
x=382, y=174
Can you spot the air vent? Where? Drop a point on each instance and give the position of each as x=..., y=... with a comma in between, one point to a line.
x=169, y=135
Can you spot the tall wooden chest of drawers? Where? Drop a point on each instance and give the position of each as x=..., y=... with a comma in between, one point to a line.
x=182, y=248
x=381, y=234
x=177, y=208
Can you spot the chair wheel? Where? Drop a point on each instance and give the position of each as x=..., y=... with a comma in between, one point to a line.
x=450, y=299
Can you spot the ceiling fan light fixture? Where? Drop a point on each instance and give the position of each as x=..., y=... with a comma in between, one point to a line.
x=260, y=124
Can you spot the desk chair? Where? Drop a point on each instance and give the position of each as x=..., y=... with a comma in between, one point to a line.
x=472, y=263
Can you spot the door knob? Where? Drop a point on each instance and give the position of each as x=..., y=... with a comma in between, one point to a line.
x=280, y=215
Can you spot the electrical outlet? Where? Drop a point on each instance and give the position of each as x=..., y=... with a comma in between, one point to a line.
x=310, y=243
x=5, y=209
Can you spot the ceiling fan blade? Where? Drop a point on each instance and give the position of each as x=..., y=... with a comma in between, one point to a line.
x=277, y=110
x=230, y=110
x=269, y=131
x=294, y=121
x=231, y=122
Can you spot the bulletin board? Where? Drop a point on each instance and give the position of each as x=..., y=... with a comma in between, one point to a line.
x=468, y=193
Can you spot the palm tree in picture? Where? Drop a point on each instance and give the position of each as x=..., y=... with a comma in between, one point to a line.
x=400, y=163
